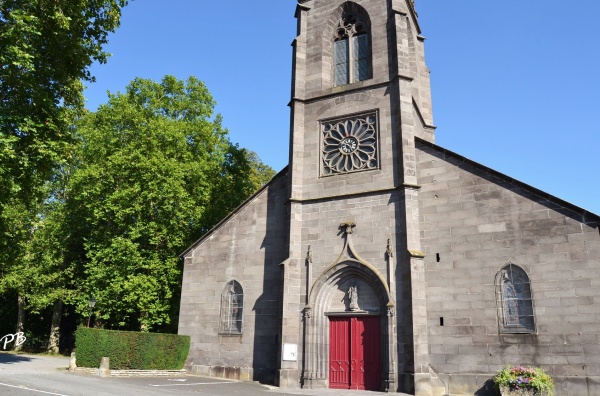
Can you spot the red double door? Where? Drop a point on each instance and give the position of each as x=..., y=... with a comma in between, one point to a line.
x=354, y=352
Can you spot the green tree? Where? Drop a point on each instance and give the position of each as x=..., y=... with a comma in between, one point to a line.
x=242, y=173
x=16, y=231
x=148, y=166
x=46, y=49
x=44, y=274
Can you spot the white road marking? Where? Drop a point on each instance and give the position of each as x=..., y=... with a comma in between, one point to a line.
x=197, y=383
x=176, y=380
x=34, y=390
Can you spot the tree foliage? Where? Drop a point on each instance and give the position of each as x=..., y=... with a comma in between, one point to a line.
x=242, y=174
x=41, y=274
x=46, y=48
x=102, y=203
x=149, y=166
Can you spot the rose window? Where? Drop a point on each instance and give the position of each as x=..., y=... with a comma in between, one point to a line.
x=350, y=145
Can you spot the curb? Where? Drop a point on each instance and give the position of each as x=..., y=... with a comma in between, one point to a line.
x=131, y=373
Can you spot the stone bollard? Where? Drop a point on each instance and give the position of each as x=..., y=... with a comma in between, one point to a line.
x=104, y=370
x=72, y=362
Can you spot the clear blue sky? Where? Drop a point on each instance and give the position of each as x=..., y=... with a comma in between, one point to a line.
x=516, y=84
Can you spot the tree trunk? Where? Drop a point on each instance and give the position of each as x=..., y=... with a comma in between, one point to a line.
x=54, y=339
x=20, y=319
x=143, y=323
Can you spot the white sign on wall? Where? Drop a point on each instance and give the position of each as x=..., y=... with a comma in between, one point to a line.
x=290, y=352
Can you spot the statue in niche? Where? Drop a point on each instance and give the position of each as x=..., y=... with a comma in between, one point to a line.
x=353, y=297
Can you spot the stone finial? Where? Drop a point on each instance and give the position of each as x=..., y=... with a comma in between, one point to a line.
x=347, y=227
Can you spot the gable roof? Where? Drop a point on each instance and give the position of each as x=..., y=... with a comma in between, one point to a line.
x=577, y=212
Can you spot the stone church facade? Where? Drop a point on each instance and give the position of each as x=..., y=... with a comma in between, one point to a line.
x=379, y=260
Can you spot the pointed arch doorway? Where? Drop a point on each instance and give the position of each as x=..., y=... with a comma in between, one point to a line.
x=354, y=352
x=349, y=332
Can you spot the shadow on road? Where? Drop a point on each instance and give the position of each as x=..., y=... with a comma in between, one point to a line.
x=8, y=358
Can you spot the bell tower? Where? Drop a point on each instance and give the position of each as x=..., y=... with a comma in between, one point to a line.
x=357, y=64
x=360, y=95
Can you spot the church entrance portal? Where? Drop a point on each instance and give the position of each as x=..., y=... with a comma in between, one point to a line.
x=354, y=352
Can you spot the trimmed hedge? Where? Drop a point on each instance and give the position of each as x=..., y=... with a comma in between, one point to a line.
x=131, y=350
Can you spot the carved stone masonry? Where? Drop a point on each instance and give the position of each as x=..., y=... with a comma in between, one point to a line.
x=391, y=310
x=353, y=297
x=307, y=312
x=349, y=25
x=350, y=144
x=348, y=227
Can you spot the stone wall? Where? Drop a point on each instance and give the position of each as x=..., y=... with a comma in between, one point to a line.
x=248, y=247
x=474, y=221
x=378, y=221
x=380, y=199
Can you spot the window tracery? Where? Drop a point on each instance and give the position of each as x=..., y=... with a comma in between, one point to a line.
x=349, y=144
x=232, y=306
x=514, y=301
x=352, y=50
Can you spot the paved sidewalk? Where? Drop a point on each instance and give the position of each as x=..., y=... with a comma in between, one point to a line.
x=12, y=364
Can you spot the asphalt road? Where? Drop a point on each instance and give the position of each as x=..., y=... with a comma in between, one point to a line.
x=27, y=375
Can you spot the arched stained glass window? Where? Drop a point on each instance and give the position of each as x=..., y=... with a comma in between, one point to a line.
x=351, y=50
x=514, y=300
x=232, y=307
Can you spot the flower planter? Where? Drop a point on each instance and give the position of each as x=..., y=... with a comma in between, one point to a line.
x=505, y=391
x=523, y=381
